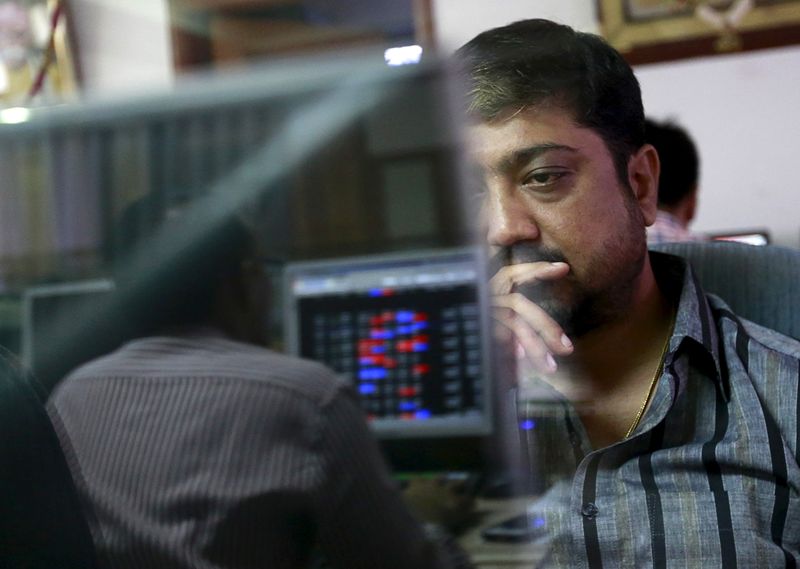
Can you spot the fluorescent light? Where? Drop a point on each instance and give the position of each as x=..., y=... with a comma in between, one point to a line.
x=14, y=115
x=404, y=55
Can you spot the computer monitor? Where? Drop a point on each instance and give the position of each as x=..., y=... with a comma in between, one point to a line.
x=408, y=331
x=749, y=237
x=49, y=309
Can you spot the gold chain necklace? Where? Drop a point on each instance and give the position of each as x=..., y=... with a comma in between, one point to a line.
x=653, y=382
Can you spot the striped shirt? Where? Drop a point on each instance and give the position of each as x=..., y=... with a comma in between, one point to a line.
x=200, y=452
x=710, y=476
x=669, y=229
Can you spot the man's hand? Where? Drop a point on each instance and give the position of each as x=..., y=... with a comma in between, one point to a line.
x=522, y=322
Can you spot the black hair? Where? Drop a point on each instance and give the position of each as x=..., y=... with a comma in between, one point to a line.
x=680, y=164
x=176, y=285
x=535, y=61
x=167, y=269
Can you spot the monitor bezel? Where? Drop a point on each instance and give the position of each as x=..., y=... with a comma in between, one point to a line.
x=741, y=235
x=29, y=296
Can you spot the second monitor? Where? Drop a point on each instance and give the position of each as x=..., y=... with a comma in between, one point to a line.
x=407, y=331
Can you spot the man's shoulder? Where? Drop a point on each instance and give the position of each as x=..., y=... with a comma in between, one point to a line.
x=211, y=359
x=772, y=340
x=761, y=337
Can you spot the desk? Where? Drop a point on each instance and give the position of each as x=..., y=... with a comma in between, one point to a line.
x=498, y=555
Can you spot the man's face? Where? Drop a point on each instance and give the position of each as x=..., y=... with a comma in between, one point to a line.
x=551, y=193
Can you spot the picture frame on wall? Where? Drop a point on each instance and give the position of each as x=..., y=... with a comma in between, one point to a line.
x=37, y=65
x=648, y=31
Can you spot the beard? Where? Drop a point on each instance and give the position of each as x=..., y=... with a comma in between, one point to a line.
x=565, y=300
x=592, y=295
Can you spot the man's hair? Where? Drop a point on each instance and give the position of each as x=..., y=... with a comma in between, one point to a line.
x=176, y=290
x=536, y=61
x=156, y=289
x=680, y=164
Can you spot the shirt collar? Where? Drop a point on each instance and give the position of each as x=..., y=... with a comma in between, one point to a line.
x=695, y=333
x=667, y=218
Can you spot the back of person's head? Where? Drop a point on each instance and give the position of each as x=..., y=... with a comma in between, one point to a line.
x=537, y=61
x=680, y=164
x=169, y=272
x=173, y=269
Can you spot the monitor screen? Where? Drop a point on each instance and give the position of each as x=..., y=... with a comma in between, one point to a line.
x=750, y=237
x=48, y=309
x=407, y=331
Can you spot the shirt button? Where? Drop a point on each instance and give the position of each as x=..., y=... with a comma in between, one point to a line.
x=589, y=510
x=575, y=440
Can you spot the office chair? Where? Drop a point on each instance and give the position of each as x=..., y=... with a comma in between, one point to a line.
x=761, y=284
x=42, y=525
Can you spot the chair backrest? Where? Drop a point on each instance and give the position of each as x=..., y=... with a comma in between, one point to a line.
x=42, y=525
x=761, y=284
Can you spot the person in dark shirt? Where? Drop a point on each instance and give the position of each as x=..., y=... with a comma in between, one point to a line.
x=194, y=446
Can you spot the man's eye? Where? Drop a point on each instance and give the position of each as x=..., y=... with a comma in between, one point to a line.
x=543, y=177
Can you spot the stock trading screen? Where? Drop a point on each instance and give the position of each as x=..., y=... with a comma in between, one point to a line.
x=406, y=333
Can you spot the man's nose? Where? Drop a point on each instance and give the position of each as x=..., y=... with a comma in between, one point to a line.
x=509, y=221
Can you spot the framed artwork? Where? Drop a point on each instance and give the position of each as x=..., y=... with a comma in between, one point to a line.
x=648, y=31
x=37, y=66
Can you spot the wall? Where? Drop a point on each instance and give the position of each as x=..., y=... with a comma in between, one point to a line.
x=742, y=112
x=122, y=45
x=741, y=109
x=456, y=21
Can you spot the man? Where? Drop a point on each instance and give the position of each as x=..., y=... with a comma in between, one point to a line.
x=194, y=447
x=677, y=183
x=661, y=429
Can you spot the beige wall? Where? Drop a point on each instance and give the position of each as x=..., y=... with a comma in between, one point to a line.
x=123, y=45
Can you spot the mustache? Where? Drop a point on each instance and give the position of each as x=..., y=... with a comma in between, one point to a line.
x=517, y=254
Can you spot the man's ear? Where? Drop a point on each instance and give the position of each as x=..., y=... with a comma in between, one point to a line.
x=643, y=170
